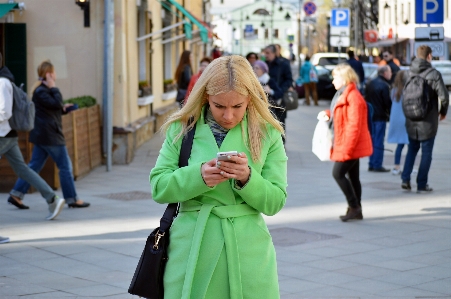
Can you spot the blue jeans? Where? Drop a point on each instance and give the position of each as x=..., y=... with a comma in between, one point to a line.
x=61, y=157
x=377, y=136
x=10, y=149
x=425, y=163
x=398, y=153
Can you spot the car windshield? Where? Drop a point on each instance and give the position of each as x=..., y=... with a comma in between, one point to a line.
x=331, y=60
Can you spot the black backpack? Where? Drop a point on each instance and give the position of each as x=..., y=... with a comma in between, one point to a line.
x=416, y=102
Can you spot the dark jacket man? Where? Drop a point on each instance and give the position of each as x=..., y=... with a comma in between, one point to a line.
x=378, y=94
x=427, y=128
x=356, y=66
x=47, y=123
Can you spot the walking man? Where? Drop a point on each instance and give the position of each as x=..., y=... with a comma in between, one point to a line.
x=378, y=95
x=422, y=132
x=390, y=61
x=357, y=67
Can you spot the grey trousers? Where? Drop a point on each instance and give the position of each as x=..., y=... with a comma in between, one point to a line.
x=9, y=148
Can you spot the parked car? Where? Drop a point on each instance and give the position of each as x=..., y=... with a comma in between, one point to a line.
x=444, y=67
x=324, y=87
x=328, y=60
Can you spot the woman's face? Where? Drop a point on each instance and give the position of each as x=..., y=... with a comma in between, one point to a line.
x=338, y=82
x=52, y=75
x=202, y=66
x=228, y=109
x=258, y=71
x=252, y=59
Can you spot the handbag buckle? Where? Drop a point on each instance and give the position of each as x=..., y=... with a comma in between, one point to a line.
x=158, y=236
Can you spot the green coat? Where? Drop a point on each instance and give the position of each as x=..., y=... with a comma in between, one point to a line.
x=220, y=246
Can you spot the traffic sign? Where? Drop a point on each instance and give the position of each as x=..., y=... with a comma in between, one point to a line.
x=429, y=11
x=438, y=48
x=340, y=41
x=309, y=8
x=340, y=17
x=429, y=33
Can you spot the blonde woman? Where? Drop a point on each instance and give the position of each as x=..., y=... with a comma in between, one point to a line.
x=220, y=246
x=348, y=117
x=47, y=136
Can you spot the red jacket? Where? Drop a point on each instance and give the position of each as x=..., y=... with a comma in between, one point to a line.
x=193, y=81
x=352, y=139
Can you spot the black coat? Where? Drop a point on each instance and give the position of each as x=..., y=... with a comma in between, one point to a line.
x=184, y=78
x=280, y=71
x=427, y=128
x=394, y=70
x=358, y=68
x=47, y=123
x=378, y=94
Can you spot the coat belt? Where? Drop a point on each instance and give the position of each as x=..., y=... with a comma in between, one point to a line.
x=224, y=213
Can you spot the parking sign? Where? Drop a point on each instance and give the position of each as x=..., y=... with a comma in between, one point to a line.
x=340, y=17
x=429, y=11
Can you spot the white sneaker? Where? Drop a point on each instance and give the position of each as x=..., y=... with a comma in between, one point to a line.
x=414, y=171
x=4, y=240
x=55, y=207
x=396, y=171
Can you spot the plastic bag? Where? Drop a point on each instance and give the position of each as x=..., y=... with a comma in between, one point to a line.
x=322, y=141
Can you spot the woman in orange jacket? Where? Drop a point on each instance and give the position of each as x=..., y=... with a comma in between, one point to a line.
x=348, y=118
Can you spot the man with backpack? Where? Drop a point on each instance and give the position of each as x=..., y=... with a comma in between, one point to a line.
x=9, y=147
x=425, y=101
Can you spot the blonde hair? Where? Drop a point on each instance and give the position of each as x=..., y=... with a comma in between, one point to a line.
x=45, y=67
x=346, y=72
x=224, y=74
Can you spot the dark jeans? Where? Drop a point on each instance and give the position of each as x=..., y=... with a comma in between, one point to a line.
x=425, y=163
x=398, y=153
x=377, y=136
x=350, y=185
x=10, y=149
x=61, y=157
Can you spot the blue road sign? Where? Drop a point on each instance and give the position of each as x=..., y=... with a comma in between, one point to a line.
x=309, y=8
x=429, y=11
x=340, y=17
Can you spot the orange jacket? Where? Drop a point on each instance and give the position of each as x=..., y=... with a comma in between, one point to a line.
x=395, y=60
x=352, y=139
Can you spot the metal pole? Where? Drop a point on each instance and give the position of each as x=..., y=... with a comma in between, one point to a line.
x=108, y=68
x=299, y=37
x=272, y=22
x=356, y=25
x=396, y=28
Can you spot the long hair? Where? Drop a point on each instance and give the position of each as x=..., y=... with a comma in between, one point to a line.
x=398, y=84
x=346, y=72
x=44, y=67
x=184, y=60
x=224, y=74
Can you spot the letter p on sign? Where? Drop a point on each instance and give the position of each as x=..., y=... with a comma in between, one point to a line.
x=429, y=11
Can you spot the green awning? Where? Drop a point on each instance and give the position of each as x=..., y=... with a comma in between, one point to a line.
x=202, y=29
x=7, y=7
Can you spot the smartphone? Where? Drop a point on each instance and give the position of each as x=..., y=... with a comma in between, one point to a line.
x=222, y=156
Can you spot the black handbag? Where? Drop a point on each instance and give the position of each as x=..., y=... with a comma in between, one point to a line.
x=290, y=98
x=147, y=281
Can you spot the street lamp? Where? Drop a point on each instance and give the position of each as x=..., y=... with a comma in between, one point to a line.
x=84, y=5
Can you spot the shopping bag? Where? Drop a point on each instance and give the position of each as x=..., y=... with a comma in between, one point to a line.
x=322, y=141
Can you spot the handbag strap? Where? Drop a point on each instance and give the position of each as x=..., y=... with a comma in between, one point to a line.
x=185, y=152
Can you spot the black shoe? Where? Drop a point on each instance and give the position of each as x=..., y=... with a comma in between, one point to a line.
x=20, y=206
x=370, y=169
x=406, y=186
x=381, y=169
x=426, y=189
x=79, y=205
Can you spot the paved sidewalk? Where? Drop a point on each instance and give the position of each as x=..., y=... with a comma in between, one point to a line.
x=402, y=249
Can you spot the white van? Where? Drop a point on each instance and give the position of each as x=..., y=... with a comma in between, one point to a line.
x=328, y=60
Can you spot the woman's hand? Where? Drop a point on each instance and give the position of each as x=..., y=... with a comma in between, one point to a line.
x=66, y=106
x=49, y=81
x=212, y=174
x=236, y=167
x=267, y=89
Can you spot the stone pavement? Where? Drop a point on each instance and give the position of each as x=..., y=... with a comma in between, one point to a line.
x=402, y=249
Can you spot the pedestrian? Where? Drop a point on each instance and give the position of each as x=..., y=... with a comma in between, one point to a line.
x=280, y=71
x=378, y=95
x=269, y=85
x=397, y=132
x=252, y=57
x=392, y=62
x=351, y=138
x=215, y=53
x=357, y=67
x=219, y=242
x=308, y=81
x=422, y=132
x=204, y=62
x=9, y=147
x=47, y=136
x=183, y=75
